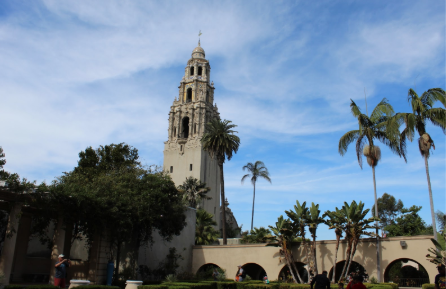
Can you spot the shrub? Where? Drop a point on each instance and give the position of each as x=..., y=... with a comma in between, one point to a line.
x=227, y=285
x=428, y=286
x=151, y=282
x=153, y=287
x=373, y=280
x=204, y=285
x=14, y=287
x=95, y=287
x=178, y=287
x=394, y=285
x=42, y=287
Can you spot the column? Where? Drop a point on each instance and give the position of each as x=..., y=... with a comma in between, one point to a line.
x=7, y=258
x=21, y=247
x=58, y=247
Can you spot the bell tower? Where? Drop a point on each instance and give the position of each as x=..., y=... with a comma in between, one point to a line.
x=183, y=151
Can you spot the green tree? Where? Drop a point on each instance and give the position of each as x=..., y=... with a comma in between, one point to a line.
x=111, y=192
x=220, y=141
x=354, y=225
x=379, y=126
x=389, y=209
x=258, y=235
x=409, y=223
x=441, y=219
x=423, y=111
x=205, y=234
x=284, y=235
x=313, y=220
x=255, y=171
x=194, y=191
x=335, y=221
x=299, y=221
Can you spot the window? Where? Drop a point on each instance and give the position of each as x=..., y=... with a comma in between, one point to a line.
x=171, y=169
x=174, y=131
x=185, y=124
x=207, y=96
x=189, y=95
x=190, y=167
x=200, y=70
x=192, y=70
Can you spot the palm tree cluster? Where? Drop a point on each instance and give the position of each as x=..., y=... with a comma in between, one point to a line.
x=291, y=232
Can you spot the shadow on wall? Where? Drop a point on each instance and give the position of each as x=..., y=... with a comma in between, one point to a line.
x=255, y=271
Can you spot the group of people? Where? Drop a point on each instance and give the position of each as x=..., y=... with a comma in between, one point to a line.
x=322, y=282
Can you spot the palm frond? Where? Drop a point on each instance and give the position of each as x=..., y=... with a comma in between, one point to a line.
x=354, y=109
x=347, y=139
x=383, y=108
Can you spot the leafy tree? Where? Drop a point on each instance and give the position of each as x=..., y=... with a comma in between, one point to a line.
x=299, y=221
x=335, y=221
x=379, y=126
x=354, y=225
x=409, y=223
x=194, y=191
x=313, y=220
x=441, y=219
x=389, y=209
x=111, y=192
x=220, y=142
x=284, y=235
x=255, y=171
x=258, y=235
x=205, y=234
x=423, y=111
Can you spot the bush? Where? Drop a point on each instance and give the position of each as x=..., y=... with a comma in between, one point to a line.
x=14, y=287
x=373, y=280
x=42, y=287
x=212, y=283
x=203, y=285
x=428, y=286
x=227, y=285
x=394, y=285
x=96, y=287
x=178, y=287
x=153, y=287
x=151, y=282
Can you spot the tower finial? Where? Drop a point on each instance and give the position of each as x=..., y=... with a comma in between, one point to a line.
x=199, y=34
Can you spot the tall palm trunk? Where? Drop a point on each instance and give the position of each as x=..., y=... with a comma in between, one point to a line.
x=290, y=262
x=434, y=226
x=306, y=249
x=338, y=238
x=378, y=260
x=293, y=264
x=253, y=199
x=347, y=257
x=222, y=194
x=314, y=254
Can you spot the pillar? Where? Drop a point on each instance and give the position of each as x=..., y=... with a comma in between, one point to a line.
x=59, y=242
x=7, y=258
x=23, y=235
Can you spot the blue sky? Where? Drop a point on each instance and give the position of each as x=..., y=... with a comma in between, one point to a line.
x=75, y=74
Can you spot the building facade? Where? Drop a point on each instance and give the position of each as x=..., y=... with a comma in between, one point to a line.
x=183, y=152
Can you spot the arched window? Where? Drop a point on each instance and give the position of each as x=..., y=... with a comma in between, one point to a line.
x=192, y=70
x=175, y=131
x=207, y=96
x=189, y=95
x=200, y=70
x=185, y=128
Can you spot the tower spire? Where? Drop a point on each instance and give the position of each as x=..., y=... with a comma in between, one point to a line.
x=199, y=34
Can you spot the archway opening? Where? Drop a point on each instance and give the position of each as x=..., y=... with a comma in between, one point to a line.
x=192, y=70
x=406, y=273
x=206, y=270
x=285, y=275
x=200, y=70
x=185, y=125
x=255, y=271
x=354, y=267
x=189, y=95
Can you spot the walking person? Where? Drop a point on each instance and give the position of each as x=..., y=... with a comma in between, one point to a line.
x=240, y=274
x=321, y=280
x=215, y=274
x=61, y=271
x=357, y=280
x=440, y=278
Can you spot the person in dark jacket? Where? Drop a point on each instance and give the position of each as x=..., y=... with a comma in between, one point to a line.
x=321, y=281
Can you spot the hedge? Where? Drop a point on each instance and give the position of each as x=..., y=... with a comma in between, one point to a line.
x=42, y=287
x=428, y=286
x=394, y=285
x=178, y=287
x=189, y=285
x=153, y=287
x=150, y=282
x=94, y=287
x=228, y=285
x=14, y=287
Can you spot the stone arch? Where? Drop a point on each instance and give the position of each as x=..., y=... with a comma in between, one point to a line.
x=406, y=273
x=254, y=270
x=192, y=70
x=205, y=271
x=302, y=268
x=185, y=127
x=354, y=267
x=200, y=70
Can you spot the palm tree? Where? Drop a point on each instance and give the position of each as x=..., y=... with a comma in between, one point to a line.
x=258, y=235
x=334, y=221
x=423, y=112
x=205, y=234
x=284, y=234
x=220, y=142
x=299, y=217
x=194, y=191
x=256, y=170
x=379, y=126
x=313, y=220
